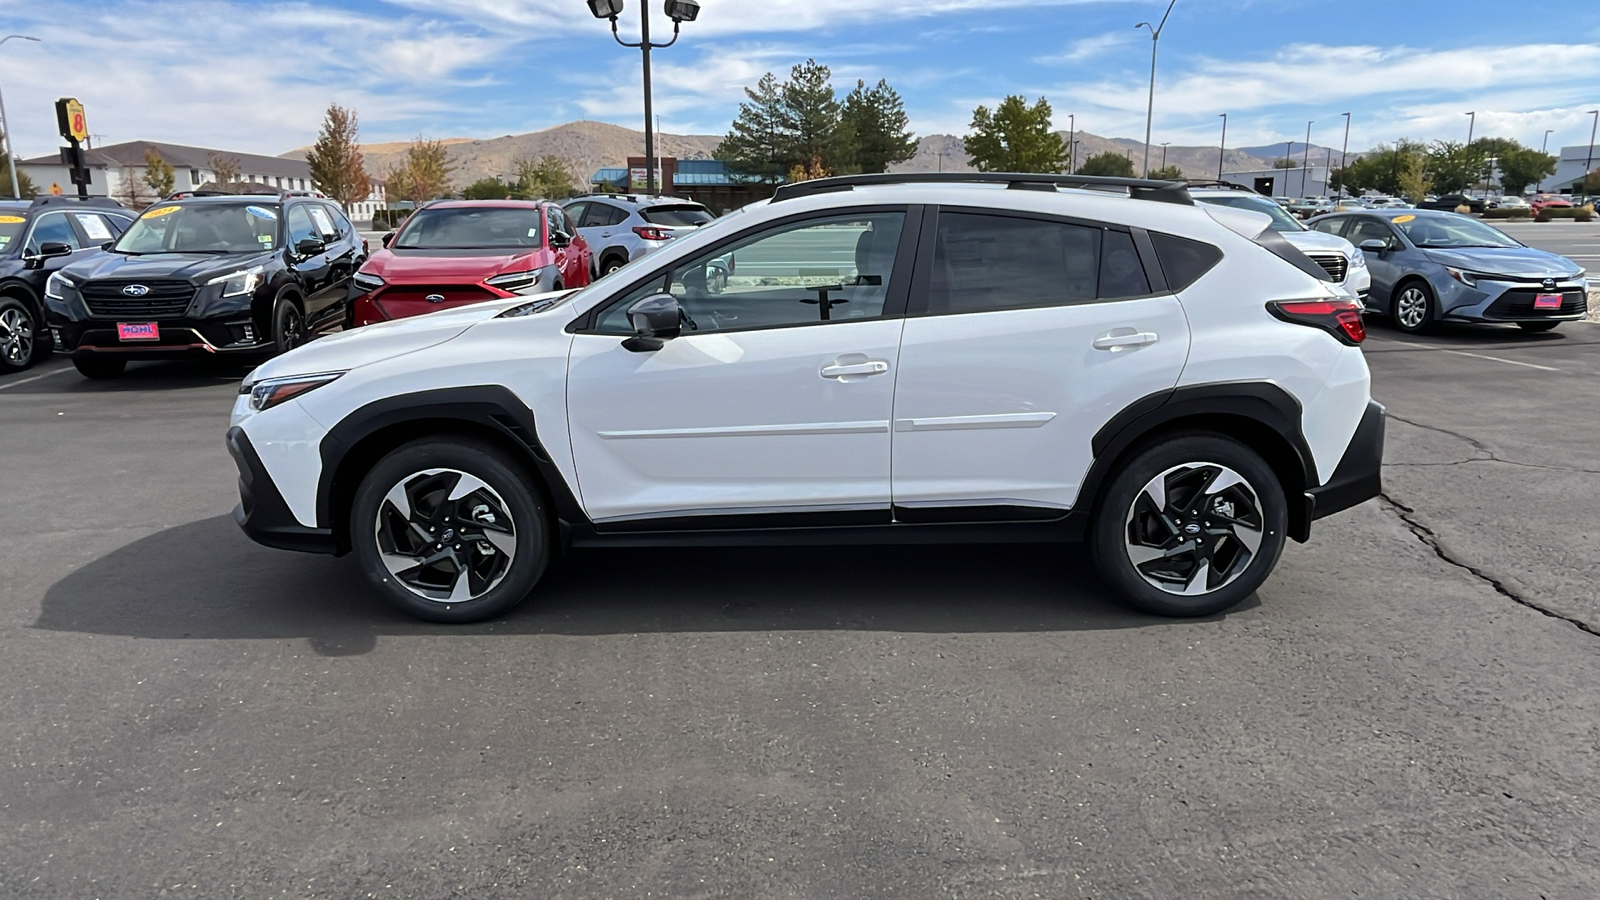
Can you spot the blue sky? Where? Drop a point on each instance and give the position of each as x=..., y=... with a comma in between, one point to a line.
x=255, y=75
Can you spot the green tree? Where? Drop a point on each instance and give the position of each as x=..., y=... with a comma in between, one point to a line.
x=1170, y=173
x=1413, y=181
x=338, y=168
x=809, y=116
x=1452, y=166
x=1110, y=163
x=24, y=186
x=1380, y=170
x=754, y=147
x=545, y=178
x=157, y=173
x=486, y=189
x=1015, y=137
x=1520, y=167
x=874, y=132
x=1285, y=163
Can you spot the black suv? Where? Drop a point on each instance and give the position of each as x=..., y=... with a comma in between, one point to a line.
x=237, y=275
x=37, y=237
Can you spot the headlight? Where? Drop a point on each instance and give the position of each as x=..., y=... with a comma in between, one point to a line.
x=236, y=283
x=270, y=392
x=1467, y=278
x=517, y=282
x=367, y=283
x=57, y=286
x=1358, y=260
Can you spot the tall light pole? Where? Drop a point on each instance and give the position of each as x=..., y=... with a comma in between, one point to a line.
x=679, y=11
x=1072, y=141
x=1164, y=153
x=11, y=149
x=1150, y=111
x=1588, y=163
x=1305, y=161
x=1545, y=147
x=1344, y=155
x=1222, y=149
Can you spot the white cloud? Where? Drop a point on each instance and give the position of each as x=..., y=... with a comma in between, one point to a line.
x=1091, y=47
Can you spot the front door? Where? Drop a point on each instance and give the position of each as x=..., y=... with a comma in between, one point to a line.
x=1386, y=268
x=775, y=401
x=1030, y=335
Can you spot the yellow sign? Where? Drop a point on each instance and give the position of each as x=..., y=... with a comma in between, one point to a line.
x=1401, y=220
x=160, y=211
x=55, y=189
x=77, y=125
x=11, y=220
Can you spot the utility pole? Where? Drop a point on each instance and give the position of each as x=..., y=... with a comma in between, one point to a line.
x=1222, y=149
x=1150, y=111
x=1164, y=154
x=1344, y=155
x=1471, y=124
x=1588, y=163
x=1072, y=141
x=1305, y=162
x=1544, y=150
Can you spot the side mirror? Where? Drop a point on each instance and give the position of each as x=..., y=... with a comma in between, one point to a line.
x=656, y=319
x=309, y=247
x=108, y=245
x=1375, y=246
x=47, y=250
x=388, y=239
x=559, y=240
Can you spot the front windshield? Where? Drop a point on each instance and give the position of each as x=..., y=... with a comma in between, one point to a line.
x=203, y=228
x=1445, y=232
x=471, y=228
x=1282, y=222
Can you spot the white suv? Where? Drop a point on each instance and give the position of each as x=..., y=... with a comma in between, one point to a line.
x=900, y=358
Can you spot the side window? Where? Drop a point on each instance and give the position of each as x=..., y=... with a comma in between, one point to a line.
x=821, y=270
x=1121, y=272
x=983, y=263
x=1184, y=261
x=558, y=222
x=52, y=227
x=1334, y=225
x=341, y=225
x=576, y=212
x=1371, y=230
x=614, y=215
x=596, y=216
x=323, y=222
x=94, y=227
x=117, y=224
x=300, y=225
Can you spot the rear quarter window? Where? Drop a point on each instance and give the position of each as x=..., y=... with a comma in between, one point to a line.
x=1183, y=261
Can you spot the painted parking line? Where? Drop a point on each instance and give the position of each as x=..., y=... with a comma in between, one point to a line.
x=1498, y=359
x=31, y=378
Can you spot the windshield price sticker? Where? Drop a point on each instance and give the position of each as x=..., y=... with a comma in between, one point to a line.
x=11, y=220
x=162, y=211
x=1401, y=220
x=320, y=217
x=93, y=227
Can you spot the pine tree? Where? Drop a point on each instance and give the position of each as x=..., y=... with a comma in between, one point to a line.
x=874, y=132
x=338, y=168
x=1015, y=137
x=810, y=116
x=754, y=145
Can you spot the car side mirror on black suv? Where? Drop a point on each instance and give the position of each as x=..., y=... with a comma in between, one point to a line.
x=656, y=319
x=48, y=250
x=309, y=247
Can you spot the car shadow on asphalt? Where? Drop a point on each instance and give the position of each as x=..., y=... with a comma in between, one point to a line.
x=206, y=580
x=163, y=375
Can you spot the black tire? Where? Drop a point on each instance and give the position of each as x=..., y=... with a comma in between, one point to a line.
x=22, y=341
x=99, y=367
x=1120, y=527
x=288, y=324
x=611, y=264
x=1536, y=327
x=495, y=581
x=1415, y=309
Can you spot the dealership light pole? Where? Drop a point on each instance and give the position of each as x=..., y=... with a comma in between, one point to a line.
x=1222, y=149
x=1588, y=163
x=1150, y=111
x=1344, y=155
x=1164, y=153
x=1072, y=142
x=679, y=11
x=11, y=149
x=1305, y=161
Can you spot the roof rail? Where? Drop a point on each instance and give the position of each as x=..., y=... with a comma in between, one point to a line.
x=1137, y=188
x=68, y=200
x=1211, y=183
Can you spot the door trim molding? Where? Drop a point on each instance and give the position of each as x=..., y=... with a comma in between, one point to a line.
x=973, y=423
x=722, y=431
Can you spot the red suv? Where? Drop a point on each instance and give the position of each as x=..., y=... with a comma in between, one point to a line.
x=457, y=252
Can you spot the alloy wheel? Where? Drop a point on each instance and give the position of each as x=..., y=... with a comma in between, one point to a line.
x=1411, y=310
x=292, y=331
x=16, y=337
x=445, y=535
x=1194, y=529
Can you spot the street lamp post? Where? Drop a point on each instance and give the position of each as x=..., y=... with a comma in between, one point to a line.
x=11, y=149
x=1344, y=156
x=1222, y=149
x=1072, y=141
x=1545, y=147
x=1164, y=153
x=679, y=11
x=1472, y=123
x=1305, y=161
x=1150, y=111
x=1588, y=163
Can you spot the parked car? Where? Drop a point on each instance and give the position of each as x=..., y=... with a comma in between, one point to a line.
x=1511, y=203
x=1176, y=383
x=1344, y=263
x=1306, y=207
x=1550, y=201
x=37, y=238
x=1452, y=202
x=624, y=227
x=1430, y=267
x=228, y=276
x=454, y=253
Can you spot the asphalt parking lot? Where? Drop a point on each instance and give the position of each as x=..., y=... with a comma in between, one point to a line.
x=1405, y=710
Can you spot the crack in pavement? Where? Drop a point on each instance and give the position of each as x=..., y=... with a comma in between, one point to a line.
x=1488, y=453
x=1492, y=459
x=1434, y=542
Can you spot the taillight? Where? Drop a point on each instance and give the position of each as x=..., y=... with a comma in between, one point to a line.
x=1340, y=318
x=652, y=234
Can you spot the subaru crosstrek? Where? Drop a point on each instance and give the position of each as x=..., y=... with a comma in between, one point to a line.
x=1175, y=383
x=224, y=276
x=621, y=228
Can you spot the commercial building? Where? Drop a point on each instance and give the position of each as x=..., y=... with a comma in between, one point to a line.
x=706, y=181
x=1570, y=169
x=118, y=171
x=1296, y=182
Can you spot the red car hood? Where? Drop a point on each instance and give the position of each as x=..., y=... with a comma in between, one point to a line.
x=456, y=265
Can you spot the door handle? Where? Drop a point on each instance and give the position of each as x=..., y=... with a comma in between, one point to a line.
x=859, y=370
x=1115, y=342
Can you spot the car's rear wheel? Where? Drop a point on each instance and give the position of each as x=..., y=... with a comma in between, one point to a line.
x=288, y=325
x=450, y=529
x=97, y=367
x=611, y=264
x=1414, y=308
x=20, y=346
x=1537, y=326
x=1190, y=526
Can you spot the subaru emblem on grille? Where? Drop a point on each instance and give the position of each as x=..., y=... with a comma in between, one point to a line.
x=434, y=298
x=136, y=290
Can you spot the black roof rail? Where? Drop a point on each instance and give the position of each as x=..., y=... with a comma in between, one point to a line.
x=1137, y=188
x=66, y=200
x=1211, y=183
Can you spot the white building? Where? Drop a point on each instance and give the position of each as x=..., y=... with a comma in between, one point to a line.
x=1296, y=182
x=1570, y=169
x=112, y=167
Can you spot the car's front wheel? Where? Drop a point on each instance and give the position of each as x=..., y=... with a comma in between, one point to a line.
x=288, y=325
x=1413, y=308
x=20, y=346
x=449, y=529
x=1190, y=526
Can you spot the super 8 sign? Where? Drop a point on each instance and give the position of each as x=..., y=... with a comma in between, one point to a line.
x=74, y=125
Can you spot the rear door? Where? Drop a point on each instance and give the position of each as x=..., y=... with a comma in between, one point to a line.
x=1025, y=335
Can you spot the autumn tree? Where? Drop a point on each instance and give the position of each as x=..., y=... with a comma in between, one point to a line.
x=224, y=169
x=874, y=132
x=338, y=168
x=1015, y=137
x=158, y=175
x=424, y=173
x=132, y=190
x=1109, y=163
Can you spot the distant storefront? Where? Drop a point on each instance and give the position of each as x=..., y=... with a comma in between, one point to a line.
x=705, y=181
